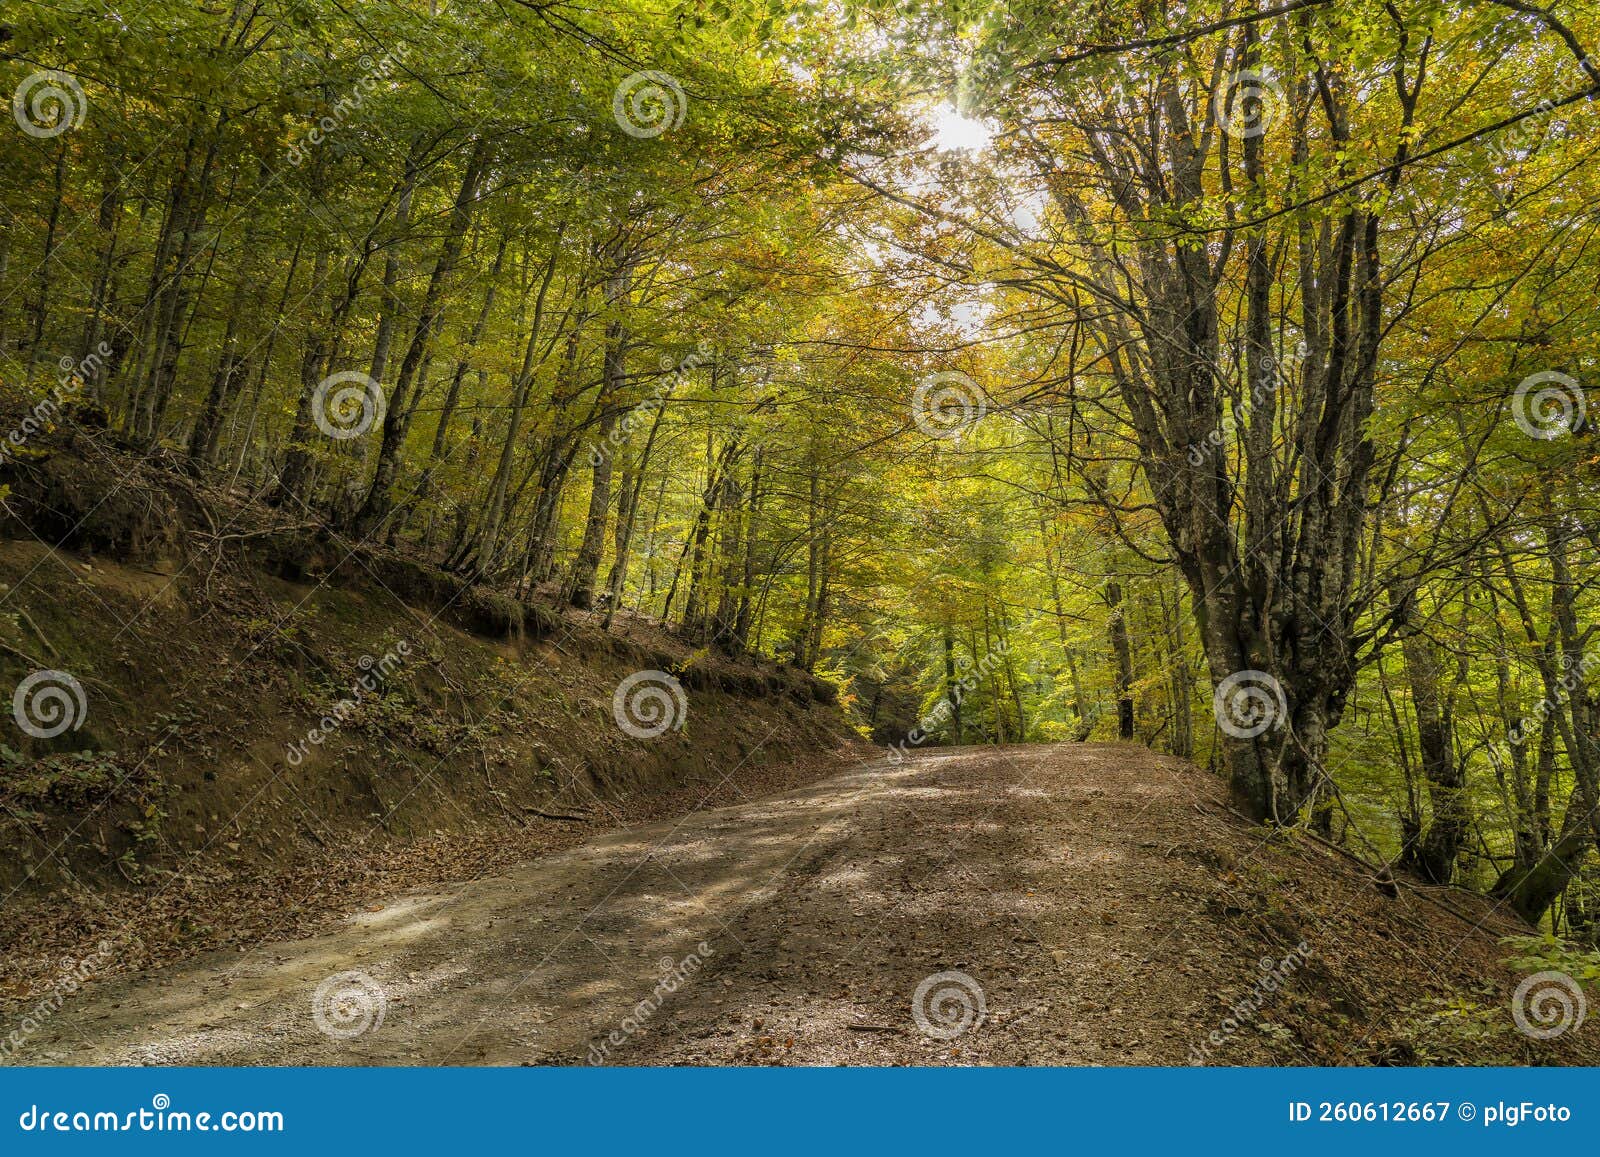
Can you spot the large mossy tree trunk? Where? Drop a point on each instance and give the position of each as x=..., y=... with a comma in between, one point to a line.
x=1257, y=459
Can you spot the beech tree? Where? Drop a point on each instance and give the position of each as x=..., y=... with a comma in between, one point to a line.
x=1213, y=380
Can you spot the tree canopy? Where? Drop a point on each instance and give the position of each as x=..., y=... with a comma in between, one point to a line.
x=1213, y=377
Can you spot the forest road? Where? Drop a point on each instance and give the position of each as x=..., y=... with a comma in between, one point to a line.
x=1035, y=904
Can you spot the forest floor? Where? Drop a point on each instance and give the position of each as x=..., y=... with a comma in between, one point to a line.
x=1101, y=903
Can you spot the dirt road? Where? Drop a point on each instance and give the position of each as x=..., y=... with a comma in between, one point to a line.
x=1021, y=905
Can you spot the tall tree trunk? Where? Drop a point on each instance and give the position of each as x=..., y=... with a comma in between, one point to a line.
x=580, y=584
x=952, y=690
x=1433, y=854
x=741, y=627
x=1122, y=654
x=168, y=346
x=521, y=387
x=107, y=225
x=1182, y=685
x=437, y=453
x=296, y=472
x=231, y=363
x=243, y=441
x=581, y=579
x=803, y=636
x=379, y=502
x=41, y=302
x=628, y=510
x=389, y=302
x=1569, y=714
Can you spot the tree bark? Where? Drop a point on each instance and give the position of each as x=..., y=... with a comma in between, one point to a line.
x=379, y=502
x=1122, y=654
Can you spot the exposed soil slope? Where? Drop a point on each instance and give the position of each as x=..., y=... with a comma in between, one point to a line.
x=1100, y=901
x=271, y=723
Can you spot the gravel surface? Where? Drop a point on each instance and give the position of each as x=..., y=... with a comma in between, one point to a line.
x=1070, y=904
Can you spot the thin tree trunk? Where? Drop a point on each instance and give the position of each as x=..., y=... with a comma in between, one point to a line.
x=1122, y=653
x=379, y=502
